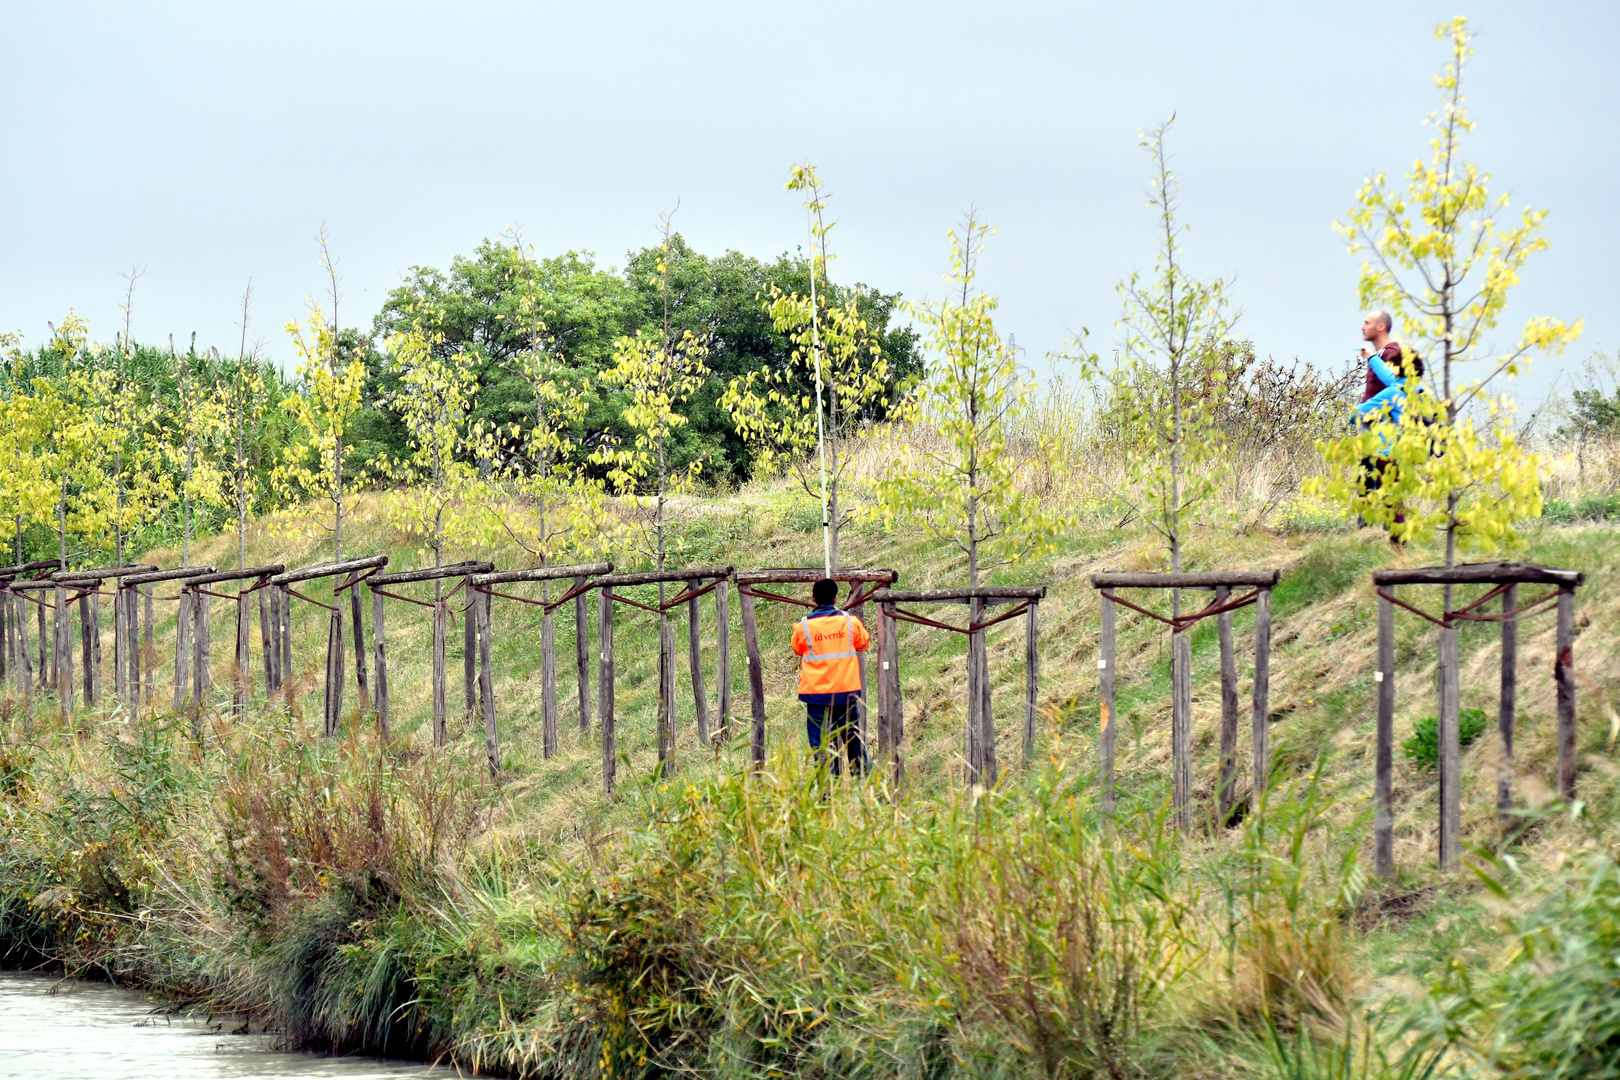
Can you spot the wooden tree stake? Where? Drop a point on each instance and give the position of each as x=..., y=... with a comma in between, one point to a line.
x=548, y=683
x=756, y=679
x=87, y=631
x=582, y=656
x=1032, y=678
x=1506, y=706
x=359, y=650
x=182, y=648
x=469, y=652
x=1181, y=727
x=20, y=619
x=1564, y=677
x=666, y=702
x=380, y=662
x=1384, y=746
x=266, y=644
x=722, y=666
x=1261, y=715
x=486, y=685
x=244, y=663
x=146, y=661
x=441, y=677
x=973, y=771
x=201, y=671
x=1229, y=710
x=604, y=687
x=1105, y=679
x=694, y=657
x=1450, y=752
x=897, y=704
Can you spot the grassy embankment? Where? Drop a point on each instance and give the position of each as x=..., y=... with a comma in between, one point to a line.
x=393, y=899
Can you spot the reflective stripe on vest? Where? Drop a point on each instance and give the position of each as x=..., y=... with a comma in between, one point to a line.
x=810, y=642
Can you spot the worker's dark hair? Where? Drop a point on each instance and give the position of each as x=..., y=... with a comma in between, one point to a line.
x=825, y=591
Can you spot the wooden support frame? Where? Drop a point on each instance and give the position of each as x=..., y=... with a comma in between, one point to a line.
x=437, y=574
x=332, y=699
x=1505, y=577
x=241, y=681
x=582, y=576
x=88, y=585
x=693, y=578
x=1221, y=583
x=747, y=582
x=137, y=587
x=981, y=765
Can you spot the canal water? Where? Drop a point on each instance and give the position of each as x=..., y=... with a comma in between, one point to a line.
x=61, y=1029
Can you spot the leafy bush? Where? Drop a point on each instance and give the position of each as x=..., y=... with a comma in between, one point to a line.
x=1553, y=1012
x=1423, y=748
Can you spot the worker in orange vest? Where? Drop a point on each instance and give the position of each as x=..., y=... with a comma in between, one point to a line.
x=829, y=641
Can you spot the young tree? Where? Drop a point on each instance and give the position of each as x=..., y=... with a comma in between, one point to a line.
x=660, y=373
x=1165, y=394
x=966, y=493
x=196, y=423
x=333, y=379
x=439, y=481
x=75, y=456
x=241, y=398
x=1443, y=255
x=811, y=411
x=552, y=504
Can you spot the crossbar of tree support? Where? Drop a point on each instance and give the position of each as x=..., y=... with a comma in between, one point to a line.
x=31, y=567
x=1222, y=606
x=981, y=731
x=100, y=574
x=1506, y=577
x=747, y=592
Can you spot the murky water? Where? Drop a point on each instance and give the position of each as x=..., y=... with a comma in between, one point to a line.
x=54, y=1029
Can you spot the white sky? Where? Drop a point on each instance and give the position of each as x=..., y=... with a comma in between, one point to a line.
x=207, y=143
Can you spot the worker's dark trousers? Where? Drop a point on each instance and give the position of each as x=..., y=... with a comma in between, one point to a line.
x=842, y=731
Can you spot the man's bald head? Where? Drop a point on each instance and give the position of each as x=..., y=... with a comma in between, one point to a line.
x=1376, y=327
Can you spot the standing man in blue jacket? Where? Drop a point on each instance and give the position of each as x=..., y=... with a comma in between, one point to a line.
x=1384, y=397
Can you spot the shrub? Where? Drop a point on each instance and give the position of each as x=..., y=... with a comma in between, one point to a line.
x=1423, y=748
x=1590, y=508
x=1553, y=1011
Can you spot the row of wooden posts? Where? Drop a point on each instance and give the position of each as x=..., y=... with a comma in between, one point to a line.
x=1505, y=577
x=133, y=595
x=133, y=600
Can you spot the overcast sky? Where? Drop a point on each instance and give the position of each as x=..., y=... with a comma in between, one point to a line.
x=208, y=143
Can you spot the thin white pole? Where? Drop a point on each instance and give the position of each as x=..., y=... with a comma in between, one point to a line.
x=821, y=433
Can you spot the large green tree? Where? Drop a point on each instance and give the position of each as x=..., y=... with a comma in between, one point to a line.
x=483, y=302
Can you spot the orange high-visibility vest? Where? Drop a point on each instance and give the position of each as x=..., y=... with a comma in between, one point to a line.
x=828, y=646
